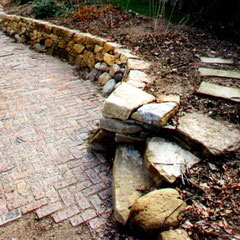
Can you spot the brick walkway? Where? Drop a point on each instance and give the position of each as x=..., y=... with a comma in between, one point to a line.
x=45, y=115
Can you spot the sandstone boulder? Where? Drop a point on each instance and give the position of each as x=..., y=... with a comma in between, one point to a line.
x=156, y=211
x=166, y=160
x=130, y=179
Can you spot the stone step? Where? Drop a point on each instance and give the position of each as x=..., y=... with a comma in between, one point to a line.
x=208, y=135
x=219, y=73
x=215, y=60
x=216, y=90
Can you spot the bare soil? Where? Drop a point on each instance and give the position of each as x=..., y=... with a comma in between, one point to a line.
x=29, y=227
x=211, y=188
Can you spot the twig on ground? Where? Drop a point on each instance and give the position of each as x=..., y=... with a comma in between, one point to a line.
x=6, y=55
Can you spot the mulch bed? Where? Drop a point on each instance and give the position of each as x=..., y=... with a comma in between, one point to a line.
x=211, y=188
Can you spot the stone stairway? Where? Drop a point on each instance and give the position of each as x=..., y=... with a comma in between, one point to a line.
x=216, y=90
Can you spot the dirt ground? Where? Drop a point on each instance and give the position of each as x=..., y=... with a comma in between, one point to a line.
x=211, y=188
x=28, y=227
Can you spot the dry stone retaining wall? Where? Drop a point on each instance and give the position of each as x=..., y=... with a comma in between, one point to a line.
x=110, y=63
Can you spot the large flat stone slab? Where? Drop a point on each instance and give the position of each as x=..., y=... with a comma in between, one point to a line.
x=215, y=137
x=219, y=73
x=156, y=114
x=124, y=100
x=216, y=90
x=129, y=178
x=216, y=60
x=114, y=125
x=166, y=160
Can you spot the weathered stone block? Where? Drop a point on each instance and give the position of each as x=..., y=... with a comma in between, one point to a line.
x=103, y=137
x=136, y=64
x=79, y=61
x=124, y=55
x=124, y=100
x=109, y=87
x=215, y=137
x=156, y=114
x=54, y=37
x=78, y=48
x=89, y=59
x=166, y=160
x=62, y=44
x=114, y=125
x=109, y=59
x=110, y=46
x=98, y=49
x=104, y=78
x=79, y=37
x=129, y=177
x=62, y=31
x=94, y=40
x=137, y=76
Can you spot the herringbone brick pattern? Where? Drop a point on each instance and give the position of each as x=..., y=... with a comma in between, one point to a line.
x=46, y=114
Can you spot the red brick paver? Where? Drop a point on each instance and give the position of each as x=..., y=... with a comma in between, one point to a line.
x=46, y=113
